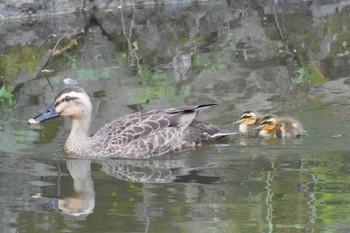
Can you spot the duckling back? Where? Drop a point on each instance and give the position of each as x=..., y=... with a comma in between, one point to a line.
x=288, y=127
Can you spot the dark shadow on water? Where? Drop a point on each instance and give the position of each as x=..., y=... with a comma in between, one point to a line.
x=195, y=177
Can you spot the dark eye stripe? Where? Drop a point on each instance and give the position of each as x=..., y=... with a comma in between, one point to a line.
x=65, y=99
x=246, y=116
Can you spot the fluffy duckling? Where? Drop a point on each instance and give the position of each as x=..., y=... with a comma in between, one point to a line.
x=284, y=127
x=135, y=136
x=248, y=120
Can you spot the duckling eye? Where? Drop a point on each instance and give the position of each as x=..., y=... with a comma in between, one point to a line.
x=266, y=123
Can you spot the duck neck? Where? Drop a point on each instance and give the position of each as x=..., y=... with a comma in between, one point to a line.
x=79, y=138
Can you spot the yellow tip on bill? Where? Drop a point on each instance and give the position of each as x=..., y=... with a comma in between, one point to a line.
x=32, y=121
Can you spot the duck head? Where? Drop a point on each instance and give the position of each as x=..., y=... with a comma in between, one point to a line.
x=71, y=101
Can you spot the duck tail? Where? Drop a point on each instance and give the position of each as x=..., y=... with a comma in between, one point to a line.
x=202, y=107
x=223, y=133
x=184, y=116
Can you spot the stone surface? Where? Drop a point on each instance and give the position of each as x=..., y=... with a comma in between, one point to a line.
x=34, y=8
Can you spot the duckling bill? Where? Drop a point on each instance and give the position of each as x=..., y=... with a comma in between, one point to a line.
x=137, y=135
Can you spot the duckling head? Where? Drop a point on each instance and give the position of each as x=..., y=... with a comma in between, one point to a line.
x=71, y=101
x=247, y=118
x=267, y=125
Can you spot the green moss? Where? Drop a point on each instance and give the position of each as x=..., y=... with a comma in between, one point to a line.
x=6, y=96
x=18, y=59
x=13, y=62
x=154, y=84
x=310, y=74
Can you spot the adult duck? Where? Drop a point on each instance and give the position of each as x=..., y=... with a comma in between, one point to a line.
x=135, y=136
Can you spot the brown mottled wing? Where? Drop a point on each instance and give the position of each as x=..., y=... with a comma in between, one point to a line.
x=198, y=132
x=145, y=134
x=133, y=126
x=141, y=124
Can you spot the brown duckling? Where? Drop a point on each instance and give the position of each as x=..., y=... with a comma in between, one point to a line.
x=284, y=127
x=248, y=120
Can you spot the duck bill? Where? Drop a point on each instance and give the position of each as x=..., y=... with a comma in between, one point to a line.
x=49, y=113
x=259, y=127
x=237, y=122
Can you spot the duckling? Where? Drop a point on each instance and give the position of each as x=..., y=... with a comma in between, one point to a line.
x=284, y=127
x=248, y=120
x=137, y=135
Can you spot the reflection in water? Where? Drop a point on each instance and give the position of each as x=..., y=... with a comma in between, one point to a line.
x=144, y=171
x=82, y=202
x=250, y=185
x=154, y=170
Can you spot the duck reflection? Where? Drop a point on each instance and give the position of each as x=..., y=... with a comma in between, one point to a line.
x=146, y=171
x=82, y=202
